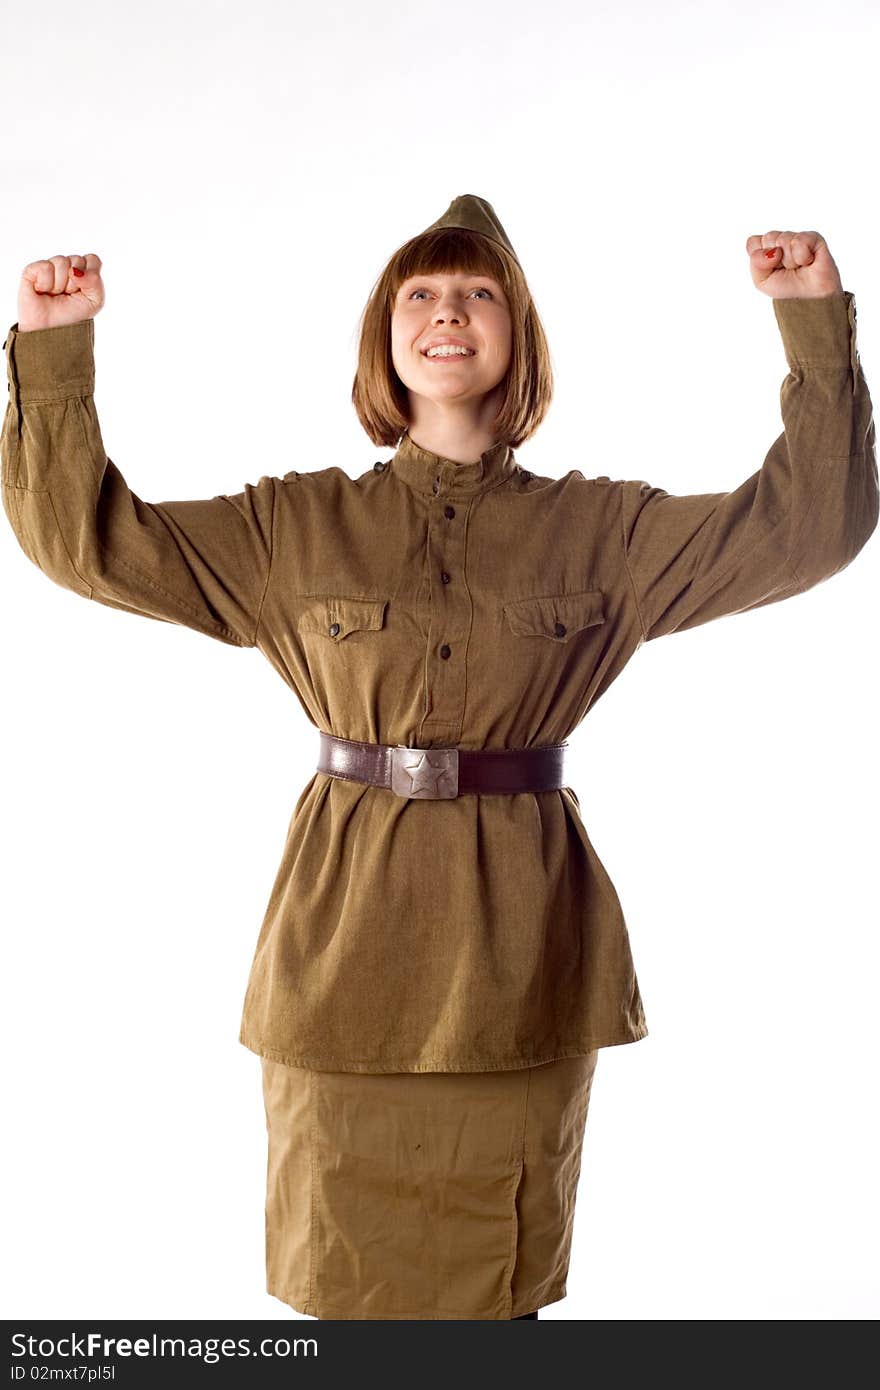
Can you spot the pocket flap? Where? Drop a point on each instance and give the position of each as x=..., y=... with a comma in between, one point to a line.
x=336, y=617
x=556, y=615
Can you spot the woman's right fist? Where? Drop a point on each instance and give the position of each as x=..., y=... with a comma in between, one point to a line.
x=51, y=295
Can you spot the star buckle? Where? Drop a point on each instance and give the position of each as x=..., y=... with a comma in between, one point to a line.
x=422, y=773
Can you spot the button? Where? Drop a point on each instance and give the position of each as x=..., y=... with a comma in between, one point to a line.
x=560, y=629
x=379, y=466
x=526, y=476
x=449, y=512
x=444, y=576
x=333, y=629
x=445, y=651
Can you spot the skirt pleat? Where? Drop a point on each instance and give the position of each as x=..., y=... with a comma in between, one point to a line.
x=428, y=1195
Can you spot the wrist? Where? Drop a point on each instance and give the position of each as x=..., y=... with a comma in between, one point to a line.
x=52, y=363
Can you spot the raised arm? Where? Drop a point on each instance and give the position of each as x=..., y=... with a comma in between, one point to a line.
x=202, y=564
x=801, y=518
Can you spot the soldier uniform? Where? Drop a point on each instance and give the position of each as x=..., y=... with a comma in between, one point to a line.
x=442, y=953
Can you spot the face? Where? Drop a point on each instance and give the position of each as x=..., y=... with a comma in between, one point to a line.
x=469, y=307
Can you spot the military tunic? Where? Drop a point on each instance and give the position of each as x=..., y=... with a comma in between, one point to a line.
x=432, y=603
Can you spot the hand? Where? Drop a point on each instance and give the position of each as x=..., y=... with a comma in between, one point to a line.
x=50, y=295
x=802, y=267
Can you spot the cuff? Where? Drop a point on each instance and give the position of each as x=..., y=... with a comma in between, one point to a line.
x=818, y=331
x=51, y=364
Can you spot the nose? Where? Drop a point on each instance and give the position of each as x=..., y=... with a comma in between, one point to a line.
x=448, y=311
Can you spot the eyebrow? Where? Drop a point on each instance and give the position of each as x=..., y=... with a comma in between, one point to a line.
x=435, y=279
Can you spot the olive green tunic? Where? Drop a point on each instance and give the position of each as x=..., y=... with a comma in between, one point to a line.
x=432, y=603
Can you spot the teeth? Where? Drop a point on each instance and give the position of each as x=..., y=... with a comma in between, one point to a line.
x=448, y=350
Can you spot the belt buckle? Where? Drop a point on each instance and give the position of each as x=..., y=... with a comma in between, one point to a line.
x=424, y=773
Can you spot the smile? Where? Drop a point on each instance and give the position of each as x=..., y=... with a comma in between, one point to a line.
x=447, y=356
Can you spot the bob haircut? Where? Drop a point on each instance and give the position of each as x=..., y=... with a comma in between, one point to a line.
x=380, y=397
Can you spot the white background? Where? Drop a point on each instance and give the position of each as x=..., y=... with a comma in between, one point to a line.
x=244, y=172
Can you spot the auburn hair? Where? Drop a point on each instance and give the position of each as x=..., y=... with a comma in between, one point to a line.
x=380, y=397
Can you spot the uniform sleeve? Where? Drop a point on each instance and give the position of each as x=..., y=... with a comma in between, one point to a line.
x=801, y=518
x=201, y=564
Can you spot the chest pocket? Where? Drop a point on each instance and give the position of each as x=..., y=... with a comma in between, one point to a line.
x=555, y=616
x=337, y=618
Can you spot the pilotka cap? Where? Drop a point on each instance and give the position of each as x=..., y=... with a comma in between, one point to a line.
x=467, y=210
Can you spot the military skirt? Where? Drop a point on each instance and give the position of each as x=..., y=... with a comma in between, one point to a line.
x=422, y=1195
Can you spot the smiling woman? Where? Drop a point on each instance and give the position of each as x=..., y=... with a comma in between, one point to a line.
x=451, y=347
x=443, y=953
x=453, y=282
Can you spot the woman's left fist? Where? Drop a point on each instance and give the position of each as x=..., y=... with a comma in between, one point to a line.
x=800, y=265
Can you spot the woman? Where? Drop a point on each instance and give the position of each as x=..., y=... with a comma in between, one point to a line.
x=443, y=954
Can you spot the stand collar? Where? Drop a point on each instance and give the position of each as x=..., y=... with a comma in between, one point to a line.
x=430, y=473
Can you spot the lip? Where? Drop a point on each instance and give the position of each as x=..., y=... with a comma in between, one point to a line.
x=446, y=342
x=454, y=358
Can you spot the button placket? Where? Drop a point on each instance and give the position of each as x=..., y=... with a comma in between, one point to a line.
x=450, y=621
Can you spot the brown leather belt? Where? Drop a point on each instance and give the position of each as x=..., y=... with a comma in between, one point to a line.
x=439, y=773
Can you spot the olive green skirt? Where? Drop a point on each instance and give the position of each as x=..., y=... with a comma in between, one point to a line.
x=422, y=1195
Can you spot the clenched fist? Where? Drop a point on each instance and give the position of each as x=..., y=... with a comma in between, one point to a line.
x=798, y=266
x=61, y=290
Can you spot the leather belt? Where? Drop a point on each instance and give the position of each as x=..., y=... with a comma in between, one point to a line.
x=440, y=773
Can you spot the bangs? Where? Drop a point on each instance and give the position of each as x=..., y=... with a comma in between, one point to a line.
x=445, y=250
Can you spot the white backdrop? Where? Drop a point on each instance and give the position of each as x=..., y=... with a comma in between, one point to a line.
x=244, y=173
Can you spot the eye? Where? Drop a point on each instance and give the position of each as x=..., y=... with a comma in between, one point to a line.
x=481, y=289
